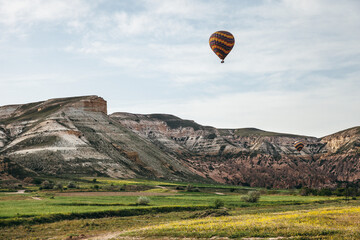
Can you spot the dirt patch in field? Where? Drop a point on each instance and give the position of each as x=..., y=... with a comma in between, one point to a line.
x=18, y=192
x=80, y=194
x=219, y=193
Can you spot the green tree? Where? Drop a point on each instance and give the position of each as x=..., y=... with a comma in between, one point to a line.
x=218, y=203
x=252, y=196
x=143, y=201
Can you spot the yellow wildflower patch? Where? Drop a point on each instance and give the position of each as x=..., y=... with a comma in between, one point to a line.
x=335, y=221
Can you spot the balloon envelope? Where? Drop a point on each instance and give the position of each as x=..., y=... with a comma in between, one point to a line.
x=221, y=42
x=299, y=145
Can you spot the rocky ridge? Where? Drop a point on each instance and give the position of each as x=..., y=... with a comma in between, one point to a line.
x=251, y=156
x=75, y=136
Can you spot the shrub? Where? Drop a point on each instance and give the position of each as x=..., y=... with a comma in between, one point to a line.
x=71, y=185
x=353, y=191
x=59, y=186
x=123, y=187
x=305, y=191
x=37, y=181
x=143, y=201
x=339, y=192
x=190, y=188
x=47, y=185
x=252, y=196
x=218, y=203
x=325, y=192
x=94, y=180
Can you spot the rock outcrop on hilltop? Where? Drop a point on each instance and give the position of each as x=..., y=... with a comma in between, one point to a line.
x=75, y=136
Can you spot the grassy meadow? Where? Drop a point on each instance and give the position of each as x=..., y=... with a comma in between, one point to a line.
x=175, y=210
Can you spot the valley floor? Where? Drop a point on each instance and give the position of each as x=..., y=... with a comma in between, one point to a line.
x=177, y=214
x=317, y=221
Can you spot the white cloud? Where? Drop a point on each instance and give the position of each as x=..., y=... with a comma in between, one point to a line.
x=186, y=9
x=99, y=47
x=34, y=80
x=300, y=56
x=26, y=12
x=297, y=35
x=133, y=63
x=277, y=37
x=129, y=24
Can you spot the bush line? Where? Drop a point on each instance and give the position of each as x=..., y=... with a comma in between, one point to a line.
x=100, y=214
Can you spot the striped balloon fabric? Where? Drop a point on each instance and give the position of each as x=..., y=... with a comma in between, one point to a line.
x=221, y=42
x=299, y=145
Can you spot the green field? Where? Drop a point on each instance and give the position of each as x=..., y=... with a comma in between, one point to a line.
x=174, y=213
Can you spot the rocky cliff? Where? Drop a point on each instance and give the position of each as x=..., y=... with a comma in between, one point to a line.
x=251, y=156
x=75, y=136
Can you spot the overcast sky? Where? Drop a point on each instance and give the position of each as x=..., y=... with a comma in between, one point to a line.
x=295, y=66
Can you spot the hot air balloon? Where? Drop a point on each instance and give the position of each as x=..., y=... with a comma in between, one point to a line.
x=221, y=42
x=299, y=145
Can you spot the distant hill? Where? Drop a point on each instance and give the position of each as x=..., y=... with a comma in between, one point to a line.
x=75, y=136
x=250, y=156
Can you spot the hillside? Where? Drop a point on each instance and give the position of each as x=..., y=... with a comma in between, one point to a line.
x=75, y=137
x=251, y=156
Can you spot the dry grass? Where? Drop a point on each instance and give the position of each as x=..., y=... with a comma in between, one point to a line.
x=333, y=222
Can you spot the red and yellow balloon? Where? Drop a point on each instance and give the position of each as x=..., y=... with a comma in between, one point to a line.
x=221, y=42
x=299, y=145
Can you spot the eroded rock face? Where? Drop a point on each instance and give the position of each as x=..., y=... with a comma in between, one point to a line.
x=75, y=136
x=347, y=141
x=251, y=156
x=91, y=104
x=7, y=111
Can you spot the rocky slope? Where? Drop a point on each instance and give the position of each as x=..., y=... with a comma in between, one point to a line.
x=75, y=136
x=252, y=156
